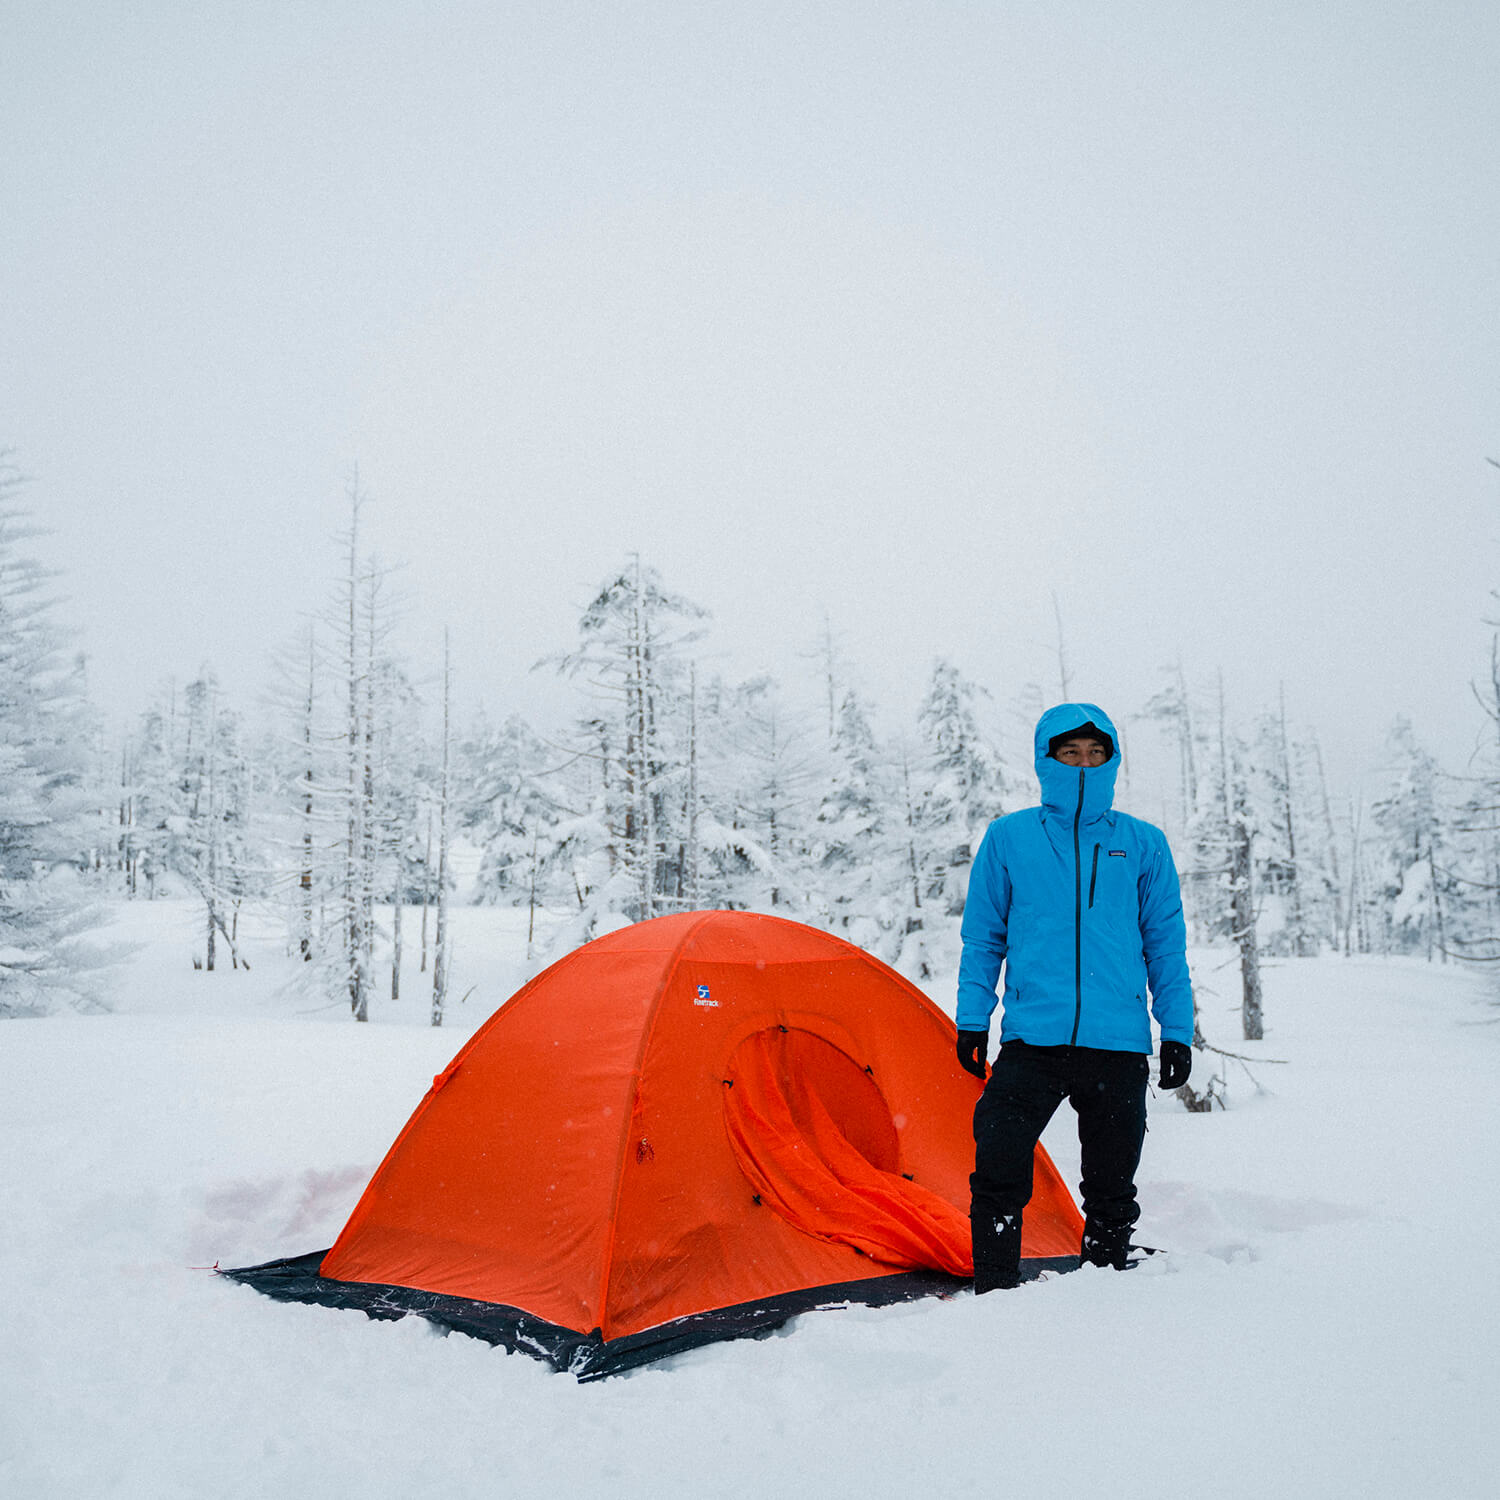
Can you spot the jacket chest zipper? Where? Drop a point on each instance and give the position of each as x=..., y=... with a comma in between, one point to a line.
x=1093, y=876
x=1078, y=916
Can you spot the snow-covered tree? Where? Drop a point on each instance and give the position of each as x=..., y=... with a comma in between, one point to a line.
x=1278, y=808
x=632, y=642
x=45, y=808
x=503, y=805
x=444, y=810
x=1408, y=824
x=859, y=865
x=1173, y=708
x=211, y=846
x=764, y=759
x=961, y=786
x=1222, y=835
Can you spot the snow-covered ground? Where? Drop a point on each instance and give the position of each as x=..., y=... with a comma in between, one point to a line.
x=1324, y=1326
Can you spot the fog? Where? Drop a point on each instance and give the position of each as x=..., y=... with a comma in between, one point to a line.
x=1178, y=322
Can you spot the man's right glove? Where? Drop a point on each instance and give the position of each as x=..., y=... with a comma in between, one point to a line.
x=1176, y=1064
x=973, y=1048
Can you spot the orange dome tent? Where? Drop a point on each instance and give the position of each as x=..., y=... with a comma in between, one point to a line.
x=690, y=1129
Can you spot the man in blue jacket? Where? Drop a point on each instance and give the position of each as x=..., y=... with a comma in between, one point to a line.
x=1081, y=905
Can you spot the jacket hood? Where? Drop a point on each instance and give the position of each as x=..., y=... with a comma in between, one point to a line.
x=1059, y=783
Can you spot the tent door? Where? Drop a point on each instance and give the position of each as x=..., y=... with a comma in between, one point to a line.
x=815, y=1138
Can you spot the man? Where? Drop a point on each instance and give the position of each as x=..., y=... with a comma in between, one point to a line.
x=1081, y=904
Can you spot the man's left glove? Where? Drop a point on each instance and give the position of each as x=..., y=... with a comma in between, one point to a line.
x=973, y=1048
x=1176, y=1064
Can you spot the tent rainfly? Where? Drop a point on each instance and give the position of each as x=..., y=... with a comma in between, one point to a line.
x=691, y=1129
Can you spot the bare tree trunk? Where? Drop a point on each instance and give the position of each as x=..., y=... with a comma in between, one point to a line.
x=1241, y=895
x=531, y=898
x=368, y=821
x=440, y=947
x=1299, y=935
x=914, y=918
x=354, y=937
x=1333, y=850
x=211, y=831
x=305, y=879
x=397, y=896
x=1062, y=655
x=1354, y=918
x=127, y=820
x=426, y=891
x=645, y=823
x=1185, y=744
x=1244, y=924
x=773, y=826
x=829, y=677
x=694, y=890
x=1437, y=905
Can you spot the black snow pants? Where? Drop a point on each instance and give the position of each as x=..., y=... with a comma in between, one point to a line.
x=1108, y=1091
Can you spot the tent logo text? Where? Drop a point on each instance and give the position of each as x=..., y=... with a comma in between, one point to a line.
x=702, y=998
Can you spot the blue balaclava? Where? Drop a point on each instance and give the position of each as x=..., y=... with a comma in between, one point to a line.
x=1060, y=783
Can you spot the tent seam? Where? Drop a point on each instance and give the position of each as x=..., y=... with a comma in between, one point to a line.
x=871, y=962
x=647, y=1032
x=435, y=1088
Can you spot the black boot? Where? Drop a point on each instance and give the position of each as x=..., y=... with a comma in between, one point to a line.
x=993, y=1278
x=997, y=1249
x=1106, y=1247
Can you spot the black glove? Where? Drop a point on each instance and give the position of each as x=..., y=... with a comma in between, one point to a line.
x=1176, y=1064
x=973, y=1048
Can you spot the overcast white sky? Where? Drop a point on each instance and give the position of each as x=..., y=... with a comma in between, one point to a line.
x=914, y=313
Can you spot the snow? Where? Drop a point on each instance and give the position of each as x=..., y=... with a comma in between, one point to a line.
x=1323, y=1324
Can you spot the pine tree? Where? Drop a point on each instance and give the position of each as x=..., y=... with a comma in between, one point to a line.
x=1278, y=872
x=765, y=763
x=45, y=833
x=1173, y=707
x=632, y=641
x=211, y=848
x=502, y=806
x=153, y=795
x=962, y=787
x=851, y=840
x=1223, y=832
x=1408, y=822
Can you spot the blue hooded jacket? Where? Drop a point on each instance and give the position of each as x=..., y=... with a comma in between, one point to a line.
x=1082, y=906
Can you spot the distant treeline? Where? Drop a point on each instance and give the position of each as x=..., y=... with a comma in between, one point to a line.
x=338, y=800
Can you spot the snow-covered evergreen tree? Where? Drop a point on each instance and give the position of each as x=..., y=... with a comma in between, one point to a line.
x=211, y=844
x=45, y=807
x=1321, y=852
x=1221, y=865
x=632, y=644
x=1409, y=824
x=1173, y=708
x=153, y=793
x=962, y=786
x=502, y=805
x=764, y=761
x=1277, y=813
x=858, y=855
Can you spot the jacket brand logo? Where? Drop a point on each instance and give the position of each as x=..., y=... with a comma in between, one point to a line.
x=1117, y=854
x=703, y=998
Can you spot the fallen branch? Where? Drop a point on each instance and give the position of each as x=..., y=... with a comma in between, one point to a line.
x=1280, y=1062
